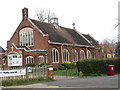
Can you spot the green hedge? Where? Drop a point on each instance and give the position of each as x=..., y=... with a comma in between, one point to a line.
x=97, y=66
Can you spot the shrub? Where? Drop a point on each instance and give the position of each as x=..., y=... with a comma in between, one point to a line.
x=43, y=64
x=97, y=66
x=30, y=65
x=61, y=67
x=68, y=65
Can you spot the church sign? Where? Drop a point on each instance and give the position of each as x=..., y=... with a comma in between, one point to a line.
x=15, y=60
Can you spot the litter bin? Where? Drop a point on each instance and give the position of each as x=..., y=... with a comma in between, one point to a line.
x=50, y=72
x=110, y=70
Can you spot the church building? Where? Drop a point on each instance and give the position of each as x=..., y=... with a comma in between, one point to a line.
x=39, y=42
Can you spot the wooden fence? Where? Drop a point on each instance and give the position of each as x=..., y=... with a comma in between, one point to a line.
x=33, y=74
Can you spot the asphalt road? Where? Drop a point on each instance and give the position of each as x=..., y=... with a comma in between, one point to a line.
x=89, y=82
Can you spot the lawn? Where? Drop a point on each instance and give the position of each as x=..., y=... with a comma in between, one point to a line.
x=68, y=72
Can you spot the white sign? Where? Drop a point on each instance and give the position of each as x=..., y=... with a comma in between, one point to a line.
x=6, y=73
x=15, y=60
x=29, y=69
x=50, y=68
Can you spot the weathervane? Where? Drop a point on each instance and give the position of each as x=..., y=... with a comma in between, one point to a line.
x=73, y=26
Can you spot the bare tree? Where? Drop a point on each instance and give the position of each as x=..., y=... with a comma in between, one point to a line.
x=44, y=15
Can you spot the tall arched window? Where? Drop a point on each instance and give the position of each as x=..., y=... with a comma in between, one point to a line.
x=26, y=37
x=75, y=56
x=41, y=59
x=82, y=55
x=29, y=59
x=65, y=55
x=55, y=55
x=89, y=55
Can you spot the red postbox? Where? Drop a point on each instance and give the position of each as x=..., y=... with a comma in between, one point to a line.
x=110, y=70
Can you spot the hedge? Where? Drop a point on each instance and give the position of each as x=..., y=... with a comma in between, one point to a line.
x=97, y=66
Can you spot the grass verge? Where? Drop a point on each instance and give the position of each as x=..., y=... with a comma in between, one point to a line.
x=15, y=83
x=74, y=72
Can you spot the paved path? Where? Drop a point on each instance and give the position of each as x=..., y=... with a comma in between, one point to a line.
x=64, y=77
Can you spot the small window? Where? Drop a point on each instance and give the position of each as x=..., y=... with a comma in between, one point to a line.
x=82, y=55
x=29, y=59
x=75, y=56
x=65, y=55
x=41, y=59
x=55, y=55
x=89, y=55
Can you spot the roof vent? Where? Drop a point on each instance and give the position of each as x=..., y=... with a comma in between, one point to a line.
x=54, y=21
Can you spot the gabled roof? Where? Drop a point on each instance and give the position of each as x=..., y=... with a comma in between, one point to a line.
x=61, y=35
x=91, y=39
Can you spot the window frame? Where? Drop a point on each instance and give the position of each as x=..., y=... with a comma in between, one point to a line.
x=89, y=55
x=75, y=56
x=65, y=51
x=55, y=55
x=29, y=59
x=26, y=36
x=43, y=61
x=81, y=55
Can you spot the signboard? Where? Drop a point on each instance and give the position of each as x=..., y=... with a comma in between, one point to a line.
x=6, y=73
x=29, y=69
x=15, y=60
x=118, y=54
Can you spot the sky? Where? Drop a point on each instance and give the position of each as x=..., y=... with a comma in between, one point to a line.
x=95, y=17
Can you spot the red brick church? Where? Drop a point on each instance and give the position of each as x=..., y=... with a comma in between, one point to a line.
x=39, y=42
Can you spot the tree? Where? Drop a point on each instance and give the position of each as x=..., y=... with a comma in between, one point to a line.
x=109, y=47
x=44, y=15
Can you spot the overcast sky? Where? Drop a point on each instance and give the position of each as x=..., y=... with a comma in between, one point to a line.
x=94, y=17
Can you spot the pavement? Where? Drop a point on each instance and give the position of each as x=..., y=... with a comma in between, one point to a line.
x=38, y=85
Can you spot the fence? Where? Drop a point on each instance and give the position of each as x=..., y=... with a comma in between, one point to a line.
x=26, y=73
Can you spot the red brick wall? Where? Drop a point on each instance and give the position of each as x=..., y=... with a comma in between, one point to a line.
x=69, y=48
x=41, y=42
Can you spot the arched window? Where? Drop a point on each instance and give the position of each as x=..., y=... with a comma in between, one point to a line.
x=82, y=55
x=89, y=56
x=41, y=59
x=75, y=56
x=65, y=55
x=29, y=59
x=55, y=55
x=26, y=37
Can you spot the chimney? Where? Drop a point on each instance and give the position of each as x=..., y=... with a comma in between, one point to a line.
x=25, y=13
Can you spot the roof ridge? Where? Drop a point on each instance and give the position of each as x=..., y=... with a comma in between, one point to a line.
x=39, y=21
x=66, y=28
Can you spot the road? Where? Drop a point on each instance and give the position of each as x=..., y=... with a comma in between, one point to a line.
x=89, y=82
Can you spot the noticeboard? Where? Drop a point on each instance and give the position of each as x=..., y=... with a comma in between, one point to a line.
x=14, y=60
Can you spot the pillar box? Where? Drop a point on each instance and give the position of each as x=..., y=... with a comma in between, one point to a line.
x=110, y=70
x=50, y=71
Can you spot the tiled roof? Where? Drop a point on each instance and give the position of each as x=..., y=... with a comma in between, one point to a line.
x=91, y=39
x=61, y=35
